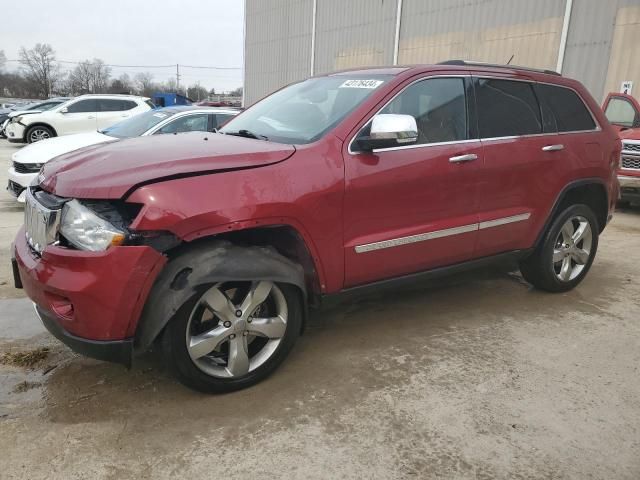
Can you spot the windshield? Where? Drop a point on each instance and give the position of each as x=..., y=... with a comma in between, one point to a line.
x=304, y=112
x=136, y=126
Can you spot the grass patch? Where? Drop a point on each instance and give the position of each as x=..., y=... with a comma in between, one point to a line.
x=25, y=359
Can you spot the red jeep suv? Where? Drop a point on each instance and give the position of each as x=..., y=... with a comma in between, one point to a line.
x=215, y=244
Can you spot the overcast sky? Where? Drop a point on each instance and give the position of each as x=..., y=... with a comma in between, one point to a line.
x=134, y=32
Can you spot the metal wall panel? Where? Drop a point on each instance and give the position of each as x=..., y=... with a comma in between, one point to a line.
x=354, y=33
x=482, y=30
x=277, y=45
x=624, y=62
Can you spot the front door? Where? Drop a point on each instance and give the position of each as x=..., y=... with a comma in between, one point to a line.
x=413, y=208
x=80, y=116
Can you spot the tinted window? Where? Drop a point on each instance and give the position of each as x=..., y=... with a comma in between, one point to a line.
x=110, y=105
x=189, y=123
x=82, y=106
x=220, y=119
x=568, y=110
x=621, y=112
x=439, y=107
x=507, y=108
x=138, y=124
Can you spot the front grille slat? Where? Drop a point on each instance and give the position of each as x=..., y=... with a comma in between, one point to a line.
x=26, y=167
x=631, y=163
x=631, y=147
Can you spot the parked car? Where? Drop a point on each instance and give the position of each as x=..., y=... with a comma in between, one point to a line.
x=623, y=111
x=85, y=113
x=33, y=107
x=215, y=245
x=27, y=162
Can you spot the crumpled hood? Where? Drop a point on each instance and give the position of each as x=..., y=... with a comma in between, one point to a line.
x=110, y=170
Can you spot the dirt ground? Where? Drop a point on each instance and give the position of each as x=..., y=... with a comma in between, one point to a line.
x=478, y=376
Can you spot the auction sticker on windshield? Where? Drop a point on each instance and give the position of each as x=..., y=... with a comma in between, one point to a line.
x=361, y=84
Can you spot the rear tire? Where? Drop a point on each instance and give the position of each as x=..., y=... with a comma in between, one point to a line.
x=566, y=252
x=39, y=132
x=229, y=316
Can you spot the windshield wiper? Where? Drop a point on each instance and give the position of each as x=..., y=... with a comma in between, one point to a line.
x=247, y=134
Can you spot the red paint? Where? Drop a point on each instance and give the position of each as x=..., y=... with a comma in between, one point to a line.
x=335, y=201
x=104, y=288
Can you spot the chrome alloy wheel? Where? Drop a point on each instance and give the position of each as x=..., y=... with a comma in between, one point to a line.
x=236, y=327
x=38, y=134
x=572, y=248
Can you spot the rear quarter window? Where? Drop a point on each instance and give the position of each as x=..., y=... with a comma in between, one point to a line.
x=569, y=112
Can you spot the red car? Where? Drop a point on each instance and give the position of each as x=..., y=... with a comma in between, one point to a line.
x=216, y=244
x=623, y=111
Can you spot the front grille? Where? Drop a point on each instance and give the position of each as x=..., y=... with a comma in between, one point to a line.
x=632, y=163
x=27, y=167
x=631, y=147
x=14, y=188
x=40, y=223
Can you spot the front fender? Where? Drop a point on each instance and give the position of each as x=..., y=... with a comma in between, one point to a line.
x=209, y=262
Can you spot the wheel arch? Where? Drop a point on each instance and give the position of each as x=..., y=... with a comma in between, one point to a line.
x=591, y=192
x=211, y=260
x=28, y=128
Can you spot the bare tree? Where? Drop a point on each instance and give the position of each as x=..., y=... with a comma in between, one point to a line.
x=122, y=84
x=90, y=77
x=39, y=68
x=3, y=59
x=197, y=92
x=145, y=83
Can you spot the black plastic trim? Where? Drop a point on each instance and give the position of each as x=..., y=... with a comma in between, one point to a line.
x=507, y=260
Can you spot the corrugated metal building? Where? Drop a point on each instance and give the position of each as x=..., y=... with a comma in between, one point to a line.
x=595, y=41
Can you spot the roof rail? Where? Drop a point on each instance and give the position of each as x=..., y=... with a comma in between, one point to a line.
x=495, y=65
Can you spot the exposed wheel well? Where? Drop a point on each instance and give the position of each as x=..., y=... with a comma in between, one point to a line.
x=288, y=243
x=593, y=195
x=38, y=124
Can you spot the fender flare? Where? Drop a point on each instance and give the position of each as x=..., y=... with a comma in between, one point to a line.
x=208, y=262
x=560, y=198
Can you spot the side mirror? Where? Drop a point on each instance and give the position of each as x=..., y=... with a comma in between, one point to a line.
x=389, y=130
x=64, y=110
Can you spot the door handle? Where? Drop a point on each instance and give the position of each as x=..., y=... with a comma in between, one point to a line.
x=124, y=115
x=553, y=148
x=467, y=157
x=91, y=117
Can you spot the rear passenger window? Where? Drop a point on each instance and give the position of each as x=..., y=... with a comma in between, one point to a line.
x=507, y=108
x=569, y=111
x=110, y=105
x=439, y=107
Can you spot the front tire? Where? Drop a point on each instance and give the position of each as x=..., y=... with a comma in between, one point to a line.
x=39, y=132
x=566, y=253
x=232, y=335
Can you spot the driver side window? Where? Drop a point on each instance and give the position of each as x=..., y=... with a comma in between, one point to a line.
x=439, y=107
x=189, y=123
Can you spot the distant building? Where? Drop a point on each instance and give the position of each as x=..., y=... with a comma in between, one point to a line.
x=594, y=41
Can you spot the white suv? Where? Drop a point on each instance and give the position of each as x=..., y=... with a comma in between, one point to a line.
x=85, y=113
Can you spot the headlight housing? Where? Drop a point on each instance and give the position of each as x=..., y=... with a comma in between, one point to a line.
x=86, y=230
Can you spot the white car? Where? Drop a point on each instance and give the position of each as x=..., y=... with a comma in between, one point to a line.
x=27, y=162
x=85, y=113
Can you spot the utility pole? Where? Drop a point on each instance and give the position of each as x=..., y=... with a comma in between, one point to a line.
x=177, y=78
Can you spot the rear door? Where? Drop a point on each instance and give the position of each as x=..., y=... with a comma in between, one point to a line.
x=514, y=181
x=414, y=208
x=111, y=111
x=536, y=138
x=79, y=117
